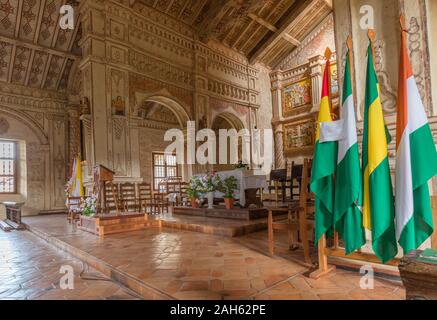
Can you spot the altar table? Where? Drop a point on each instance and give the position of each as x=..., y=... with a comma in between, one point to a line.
x=248, y=185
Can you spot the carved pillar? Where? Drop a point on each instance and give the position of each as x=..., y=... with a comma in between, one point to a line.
x=316, y=67
x=279, y=148
x=88, y=162
x=276, y=78
x=73, y=132
x=95, y=85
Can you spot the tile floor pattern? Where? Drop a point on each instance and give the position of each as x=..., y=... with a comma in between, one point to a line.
x=30, y=269
x=190, y=265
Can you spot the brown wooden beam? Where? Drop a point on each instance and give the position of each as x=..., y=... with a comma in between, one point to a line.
x=302, y=8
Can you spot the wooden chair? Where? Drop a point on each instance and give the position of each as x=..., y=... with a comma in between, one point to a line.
x=276, y=188
x=299, y=218
x=295, y=180
x=112, y=198
x=161, y=201
x=128, y=196
x=73, y=203
x=145, y=197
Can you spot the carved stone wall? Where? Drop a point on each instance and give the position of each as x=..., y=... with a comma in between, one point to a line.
x=131, y=59
x=39, y=126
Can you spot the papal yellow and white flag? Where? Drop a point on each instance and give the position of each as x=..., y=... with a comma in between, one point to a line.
x=76, y=179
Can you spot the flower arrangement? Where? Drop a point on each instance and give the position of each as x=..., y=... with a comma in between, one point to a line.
x=88, y=206
x=210, y=182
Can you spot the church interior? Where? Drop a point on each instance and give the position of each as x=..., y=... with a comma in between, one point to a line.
x=89, y=91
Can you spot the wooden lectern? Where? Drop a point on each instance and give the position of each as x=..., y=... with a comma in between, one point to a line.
x=103, y=176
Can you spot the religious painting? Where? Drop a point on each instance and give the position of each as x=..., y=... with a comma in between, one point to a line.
x=297, y=96
x=299, y=136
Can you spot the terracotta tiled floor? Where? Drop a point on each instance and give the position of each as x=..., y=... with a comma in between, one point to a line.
x=30, y=269
x=191, y=265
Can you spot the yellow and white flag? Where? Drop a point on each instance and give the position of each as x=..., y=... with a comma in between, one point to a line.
x=76, y=179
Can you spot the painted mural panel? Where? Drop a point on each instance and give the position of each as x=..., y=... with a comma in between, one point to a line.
x=297, y=96
x=299, y=136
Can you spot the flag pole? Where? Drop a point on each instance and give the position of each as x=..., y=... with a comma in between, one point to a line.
x=328, y=56
x=323, y=267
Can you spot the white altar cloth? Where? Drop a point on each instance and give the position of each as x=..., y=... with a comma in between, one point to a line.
x=246, y=180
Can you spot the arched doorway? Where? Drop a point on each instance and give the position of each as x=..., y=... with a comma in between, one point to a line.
x=159, y=114
x=226, y=121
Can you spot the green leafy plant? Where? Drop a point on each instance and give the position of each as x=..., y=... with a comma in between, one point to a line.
x=194, y=188
x=241, y=165
x=229, y=186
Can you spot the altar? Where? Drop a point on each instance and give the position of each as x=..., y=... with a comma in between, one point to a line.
x=248, y=186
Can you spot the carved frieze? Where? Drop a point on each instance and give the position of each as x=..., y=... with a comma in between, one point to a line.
x=160, y=70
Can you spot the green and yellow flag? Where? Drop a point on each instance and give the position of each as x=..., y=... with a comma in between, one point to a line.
x=378, y=201
x=324, y=164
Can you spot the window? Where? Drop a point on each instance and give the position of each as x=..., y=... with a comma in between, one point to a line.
x=8, y=167
x=164, y=166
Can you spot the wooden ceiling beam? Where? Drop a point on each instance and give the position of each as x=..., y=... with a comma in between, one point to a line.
x=18, y=21
x=303, y=7
x=183, y=8
x=29, y=67
x=169, y=6
x=263, y=22
x=213, y=18
x=38, y=24
x=290, y=39
x=12, y=63
x=247, y=41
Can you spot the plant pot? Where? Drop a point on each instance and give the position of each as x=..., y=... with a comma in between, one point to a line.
x=229, y=202
x=194, y=203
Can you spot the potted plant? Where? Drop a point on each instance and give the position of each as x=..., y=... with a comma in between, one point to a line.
x=193, y=191
x=228, y=187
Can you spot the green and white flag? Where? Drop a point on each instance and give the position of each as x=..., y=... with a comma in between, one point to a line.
x=348, y=219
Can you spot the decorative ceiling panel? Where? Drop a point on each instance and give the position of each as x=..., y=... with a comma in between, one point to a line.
x=5, y=58
x=8, y=16
x=29, y=19
x=33, y=49
x=37, y=71
x=21, y=62
x=49, y=22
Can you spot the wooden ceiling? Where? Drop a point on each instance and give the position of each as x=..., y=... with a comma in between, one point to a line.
x=263, y=30
x=34, y=51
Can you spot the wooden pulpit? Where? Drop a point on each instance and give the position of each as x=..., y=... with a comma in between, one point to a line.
x=101, y=176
